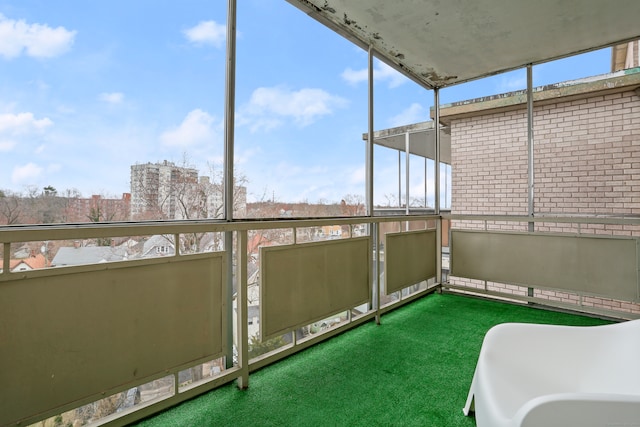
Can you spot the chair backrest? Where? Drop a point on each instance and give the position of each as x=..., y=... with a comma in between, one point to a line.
x=614, y=361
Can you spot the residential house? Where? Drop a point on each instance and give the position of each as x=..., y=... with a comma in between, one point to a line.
x=33, y=262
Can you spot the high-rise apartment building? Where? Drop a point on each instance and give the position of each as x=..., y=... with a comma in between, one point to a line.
x=163, y=191
x=166, y=191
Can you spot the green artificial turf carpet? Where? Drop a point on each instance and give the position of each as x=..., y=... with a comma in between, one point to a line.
x=412, y=370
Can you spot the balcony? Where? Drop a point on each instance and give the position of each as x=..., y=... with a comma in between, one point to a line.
x=413, y=369
x=161, y=331
x=346, y=317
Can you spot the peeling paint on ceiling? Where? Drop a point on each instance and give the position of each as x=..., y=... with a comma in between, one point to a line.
x=438, y=43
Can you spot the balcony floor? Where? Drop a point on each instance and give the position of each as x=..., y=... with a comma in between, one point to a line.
x=413, y=369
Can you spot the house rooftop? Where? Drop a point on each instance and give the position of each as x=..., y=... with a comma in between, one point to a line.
x=34, y=262
x=88, y=255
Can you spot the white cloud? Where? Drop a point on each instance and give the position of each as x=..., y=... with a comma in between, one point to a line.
x=207, y=33
x=263, y=124
x=112, y=97
x=512, y=83
x=54, y=167
x=413, y=114
x=22, y=123
x=197, y=127
x=26, y=174
x=40, y=85
x=7, y=145
x=269, y=107
x=381, y=72
x=65, y=109
x=355, y=76
x=246, y=155
x=35, y=40
x=358, y=175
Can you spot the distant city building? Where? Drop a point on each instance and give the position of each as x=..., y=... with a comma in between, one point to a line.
x=166, y=191
x=99, y=209
x=156, y=189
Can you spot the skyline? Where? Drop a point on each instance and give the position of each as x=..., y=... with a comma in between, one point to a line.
x=87, y=90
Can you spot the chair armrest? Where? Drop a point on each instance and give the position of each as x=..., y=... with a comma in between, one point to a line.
x=580, y=410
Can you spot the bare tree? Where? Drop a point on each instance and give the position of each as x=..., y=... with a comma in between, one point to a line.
x=68, y=202
x=353, y=205
x=10, y=208
x=391, y=201
x=104, y=209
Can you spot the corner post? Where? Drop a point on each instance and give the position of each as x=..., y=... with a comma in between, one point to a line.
x=436, y=104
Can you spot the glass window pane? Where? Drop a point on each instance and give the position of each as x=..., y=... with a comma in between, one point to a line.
x=300, y=114
x=90, y=89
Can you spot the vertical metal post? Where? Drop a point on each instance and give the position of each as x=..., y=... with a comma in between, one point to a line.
x=377, y=289
x=374, y=246
x=399, y=178
x=530, y=210
x=436, y=104
x=229, y=114
x=6, y=257
x=530, y=195
x=436, y=124
x=369, y=153
x=242, y=313
x=446, y=186
x=228, y=247
x=425, y=183
x=407, y=158
x=229, y=124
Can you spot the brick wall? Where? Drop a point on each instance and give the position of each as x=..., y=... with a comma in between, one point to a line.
x=586, y=162
x=489, y=164
x=586, y=159
x=587, y=156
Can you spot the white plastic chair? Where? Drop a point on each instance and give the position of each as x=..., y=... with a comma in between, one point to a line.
x=545, y=375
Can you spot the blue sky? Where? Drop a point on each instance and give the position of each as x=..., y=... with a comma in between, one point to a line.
x=88, y=88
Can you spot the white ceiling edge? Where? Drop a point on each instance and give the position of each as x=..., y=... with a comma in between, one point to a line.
x=441, y=43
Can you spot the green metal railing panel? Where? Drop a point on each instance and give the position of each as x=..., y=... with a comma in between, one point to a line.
x=307, y=282
x=589, y=265
x=75, y=334
x=410, y=258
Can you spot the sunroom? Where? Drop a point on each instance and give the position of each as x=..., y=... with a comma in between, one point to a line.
x=529, y=198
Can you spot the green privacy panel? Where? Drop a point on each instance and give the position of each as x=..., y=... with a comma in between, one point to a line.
x=409, y=258
x=307, y=282
x=100, y=328
x=593, y=265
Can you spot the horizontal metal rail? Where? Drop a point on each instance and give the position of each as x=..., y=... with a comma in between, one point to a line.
x=602, y=303
x=50, y=232
x=595, y=219
x=28, y=233
x=173, y=229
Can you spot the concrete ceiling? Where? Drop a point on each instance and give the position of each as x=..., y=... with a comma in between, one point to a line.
x=438, y=43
